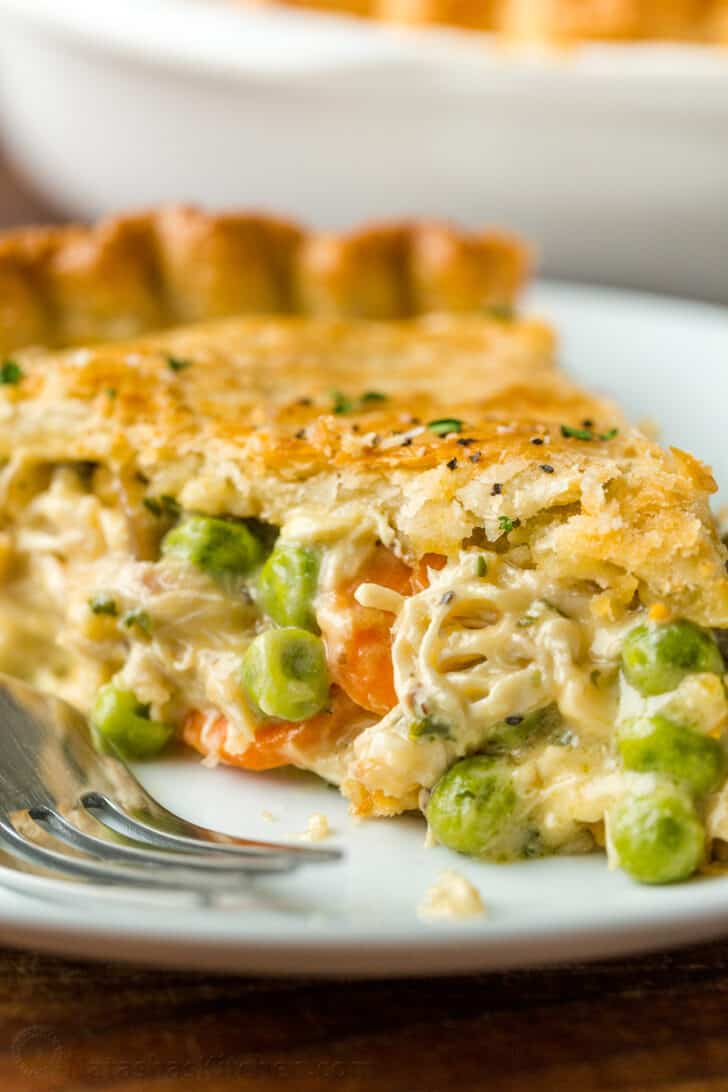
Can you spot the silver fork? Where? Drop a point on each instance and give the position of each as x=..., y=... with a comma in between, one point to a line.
x=68, y=810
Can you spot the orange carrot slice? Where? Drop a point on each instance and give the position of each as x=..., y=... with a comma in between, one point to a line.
x=277, y=744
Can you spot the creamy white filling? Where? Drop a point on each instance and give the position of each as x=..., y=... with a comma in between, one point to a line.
x=470, y=650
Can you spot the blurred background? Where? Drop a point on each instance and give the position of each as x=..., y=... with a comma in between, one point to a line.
x=599, y=130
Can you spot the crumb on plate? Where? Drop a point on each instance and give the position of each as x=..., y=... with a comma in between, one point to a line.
x=452, y=896
x=317, y=828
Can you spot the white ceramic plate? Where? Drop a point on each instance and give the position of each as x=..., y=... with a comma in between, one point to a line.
x=662, y=358
x=611, y=158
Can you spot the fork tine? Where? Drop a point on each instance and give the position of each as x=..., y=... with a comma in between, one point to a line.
x=55, y=824
x=169, y=879
x=47, y=747
x=112, y=816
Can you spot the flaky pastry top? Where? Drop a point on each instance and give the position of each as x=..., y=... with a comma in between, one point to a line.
x=434, y=433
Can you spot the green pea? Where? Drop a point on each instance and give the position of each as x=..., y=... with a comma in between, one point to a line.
x=430, y=727
x=284, y=674
x=658, y=745
x=220, y=547
x=518, y=731
x=287, y=585
x=655, y=658
x=658, y=837
x=472, y=805
x=122, y=723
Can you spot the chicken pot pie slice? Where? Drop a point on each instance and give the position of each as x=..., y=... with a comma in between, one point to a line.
x=412, y=557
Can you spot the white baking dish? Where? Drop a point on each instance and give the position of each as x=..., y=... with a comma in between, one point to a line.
x=614, y=159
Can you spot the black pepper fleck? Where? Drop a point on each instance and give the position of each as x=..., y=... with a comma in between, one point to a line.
x=496, y=490
x=465, y=441
x=406, y=442
x=447, y=598
x=304, y=401
x=547, y=469
x=587, y=422
x=514, y=720
x=537, y=440
x=452, y=464
x=301, y=434
x=476, y=457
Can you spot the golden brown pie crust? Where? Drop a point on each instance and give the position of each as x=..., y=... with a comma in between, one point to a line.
x=63, y=286
x=240, y=417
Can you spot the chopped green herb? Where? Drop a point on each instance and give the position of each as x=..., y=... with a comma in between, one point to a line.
x=507, y=524
x=572, y=433
x=481, y=567
x=177, y=363
x=443, y=426
x=554, y=608
x=430, y=727
x=603, y=678
x=111, y=392
x=170, y=505
x=526, y=620
x=152, y=506
x=103, y=604
x=537, y=611
x=342, y=404
x=10, y=373
x=502, y=311
x=533, y=845
x=586, y=433
x=164, y=506
x=137, y=617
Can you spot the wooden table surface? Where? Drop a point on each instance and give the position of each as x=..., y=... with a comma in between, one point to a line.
x=652, y=1023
